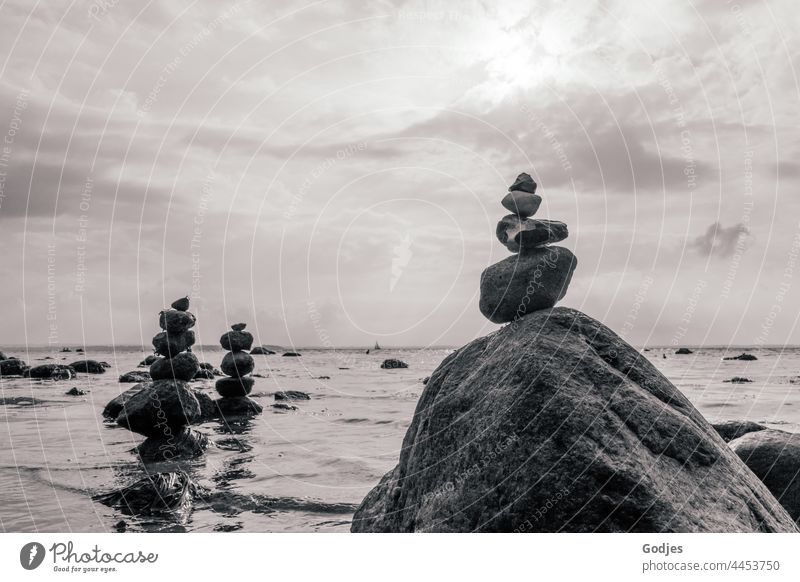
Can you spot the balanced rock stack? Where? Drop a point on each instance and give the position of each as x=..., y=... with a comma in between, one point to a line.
x=237, y=365
x=175, y=344
x=538, y=274
x=162, y=409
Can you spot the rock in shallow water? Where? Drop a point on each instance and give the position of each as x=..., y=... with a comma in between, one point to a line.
x=232, y=408
x=158, y=406
x=558, y=412
x=184, y=444
x=89, y=367
x=184, y=366
x=392, y=364
x=522, y=284
x=12, y=367
x=160, y=495
x=136, y=376
x=233, y=387
x=774, y=456
x=733, y=429
x=291, y=395
x=51, y=372
x=261, y=351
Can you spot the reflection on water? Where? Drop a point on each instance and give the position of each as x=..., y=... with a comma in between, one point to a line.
x=302, y=470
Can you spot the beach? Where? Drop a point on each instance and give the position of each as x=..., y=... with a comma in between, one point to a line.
x=289, y=471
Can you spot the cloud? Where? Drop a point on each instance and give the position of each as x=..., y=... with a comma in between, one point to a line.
x=720, y=241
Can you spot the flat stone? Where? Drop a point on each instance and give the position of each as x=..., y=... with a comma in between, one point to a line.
x=523, y=204
x=523, y=183
x=523, y=234
x=524, y=283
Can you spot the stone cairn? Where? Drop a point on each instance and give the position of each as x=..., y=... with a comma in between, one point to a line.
x=237, y=365
x=163, y=409
x=538, y=274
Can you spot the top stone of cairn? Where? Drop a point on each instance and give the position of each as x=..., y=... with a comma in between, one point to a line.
x=181, y=304
x=523, y=183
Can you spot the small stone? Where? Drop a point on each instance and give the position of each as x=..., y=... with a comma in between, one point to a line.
x=75, y=391
x=284, y=406
x=170, y=344
x=238, y=326
x=291, y=355
x=523, y=183
x=683, y=351
x=233, y=387
x=524, y=283
x=236, y=341
x=523, y=204
x=237, y=364
x=175, y=321
x=181, y=304
x=261, y=351
x=525, y=234
x=184, y=366
x=743, y=357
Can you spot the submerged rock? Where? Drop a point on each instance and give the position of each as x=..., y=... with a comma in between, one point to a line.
x=159, y=405
x=183, y=366
x=522, y=284
x=184, y=444
x=75, y=391
x=51, y=372
x=558, y=412
x=12, y=367
x=291, y=395
x=733, y=429
x=683, y=351
x=292, y=355
x=284, y=406
x=89, y=367
x=393, y=363
x=744, y=357
x=261, y=351
x=136, y=376
x=232, y=408
x=774, y=456
x=738, y=380
x=158, y=495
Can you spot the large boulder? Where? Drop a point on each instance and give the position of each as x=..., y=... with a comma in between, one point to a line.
x=51, y=372
x=12, y=367
x=89, y=367
x=524, y=283
x=115, y=406
x=556, y=424
x=184, y=366
x=160, y=407
x=774, y=456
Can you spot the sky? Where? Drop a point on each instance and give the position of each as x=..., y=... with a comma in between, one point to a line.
x=330, y=172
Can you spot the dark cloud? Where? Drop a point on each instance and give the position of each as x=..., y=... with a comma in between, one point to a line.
x=721, y=241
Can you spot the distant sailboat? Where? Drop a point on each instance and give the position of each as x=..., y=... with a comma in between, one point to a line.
x=377, y=347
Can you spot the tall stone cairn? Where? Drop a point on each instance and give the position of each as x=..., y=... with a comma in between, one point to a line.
x=538, y=274
x=237, y=364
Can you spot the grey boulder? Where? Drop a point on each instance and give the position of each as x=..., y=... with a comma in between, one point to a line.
x=160, y=408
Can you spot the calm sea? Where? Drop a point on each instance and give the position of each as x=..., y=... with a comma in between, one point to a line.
x=305, y=470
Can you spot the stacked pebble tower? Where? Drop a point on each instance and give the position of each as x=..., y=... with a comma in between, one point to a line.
x=538, y=274
x=237, y=365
